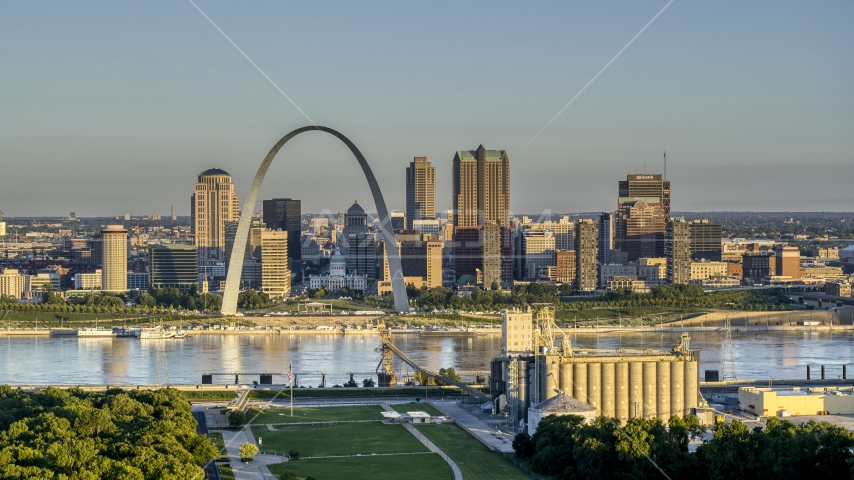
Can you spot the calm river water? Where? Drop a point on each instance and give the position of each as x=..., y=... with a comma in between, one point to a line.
x=61, y=360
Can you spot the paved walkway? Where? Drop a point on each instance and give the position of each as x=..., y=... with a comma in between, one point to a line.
x=486, y=434
x=254, y=470
x=458, y=475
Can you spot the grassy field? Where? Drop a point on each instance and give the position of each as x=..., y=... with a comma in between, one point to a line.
x=416, y=407
x=363, y=438
x=476, y=462
x=628, y=316
x=411, y=467
x=225, y=472
x=337, y=306
x=56, y=319
x=210, y=394
x=316, y=414
x=218, y=441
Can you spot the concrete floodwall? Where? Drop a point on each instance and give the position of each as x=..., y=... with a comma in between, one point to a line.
x=842, y=316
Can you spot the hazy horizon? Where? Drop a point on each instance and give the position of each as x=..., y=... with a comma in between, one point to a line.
x=115, y=108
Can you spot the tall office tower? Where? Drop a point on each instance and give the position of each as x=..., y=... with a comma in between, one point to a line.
x=468, y=254
x=678, y=251
x=275, y=266
x=114, y=264
x=230, y=235
x=398, y=222
x=606, y=237
x=362, y=255
x=538, y=250
x=639, y=228
x=481, y=187
x=172, y=266
x=481, y=197
x=420, y=191
x=492, y=265
x=420, y=260
x=285, y=214
x=643, y=185
x=586, y=241
x=213, y=203
x=705, y=240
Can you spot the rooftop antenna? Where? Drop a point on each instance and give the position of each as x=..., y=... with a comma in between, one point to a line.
x=665, y=164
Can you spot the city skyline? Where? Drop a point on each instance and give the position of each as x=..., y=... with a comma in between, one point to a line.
x=732, y=93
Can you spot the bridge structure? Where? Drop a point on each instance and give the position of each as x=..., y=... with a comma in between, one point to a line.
x=235, y=267
x=385, y=368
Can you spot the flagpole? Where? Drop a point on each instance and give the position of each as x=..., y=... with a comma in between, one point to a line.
x=291, y=380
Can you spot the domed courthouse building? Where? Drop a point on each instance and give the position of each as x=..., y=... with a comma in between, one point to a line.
x=338, y=277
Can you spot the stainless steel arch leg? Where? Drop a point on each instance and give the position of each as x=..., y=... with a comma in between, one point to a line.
x=235, y=268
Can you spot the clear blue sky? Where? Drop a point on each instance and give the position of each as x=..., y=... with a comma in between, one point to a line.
x=115, y=107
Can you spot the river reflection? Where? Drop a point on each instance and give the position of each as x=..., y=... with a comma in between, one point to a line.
x=69, y=360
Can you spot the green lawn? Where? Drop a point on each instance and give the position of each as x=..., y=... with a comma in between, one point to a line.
x=218, y=441
x=210, y=394
x=476, y=462
x=416, y=407
x=338, y=439
x=225, y=472
x=316, y=414
x=410, y=467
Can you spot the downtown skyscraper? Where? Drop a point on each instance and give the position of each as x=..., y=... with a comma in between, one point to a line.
x=420, y=191
x=213, y=203
x=481, y=201
x=285, y=214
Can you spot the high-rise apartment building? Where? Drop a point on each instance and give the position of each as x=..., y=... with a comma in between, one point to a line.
x=275, y=266
x=114, y=264
x=643, y=185
x=586, y=241
x=420, y=191
x=565, y=267
x=13, y=283
x=172, y=266
x=285, y=214
x=678, y=251
x=213, y=203
x=639, y=228
x=606, y=237
x=538, y=250
x=705, y=240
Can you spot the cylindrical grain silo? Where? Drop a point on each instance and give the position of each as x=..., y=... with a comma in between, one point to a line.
x=635, y=389
x=566, y=378
x=608, y=390
x=579, y=376
x=594, y=386
x=662, y=394
x=622, y=389
x=523, y=382
x=552, y=376
x=692, y=375
x=677, y=388
x=649, y=390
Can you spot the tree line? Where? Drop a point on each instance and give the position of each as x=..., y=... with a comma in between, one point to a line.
x=440, y=298
x=112, y=435
x=567, y=448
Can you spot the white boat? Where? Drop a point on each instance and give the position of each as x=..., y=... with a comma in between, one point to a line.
x=95, y=332
x=157, y=332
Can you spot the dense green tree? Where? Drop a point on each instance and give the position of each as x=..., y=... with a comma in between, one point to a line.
x=137, y=435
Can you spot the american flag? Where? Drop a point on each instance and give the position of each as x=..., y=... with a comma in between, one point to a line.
x=289, y=374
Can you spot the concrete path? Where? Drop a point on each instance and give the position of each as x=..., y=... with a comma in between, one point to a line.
x=458, y=475
x=254, y=470
x=492, y=438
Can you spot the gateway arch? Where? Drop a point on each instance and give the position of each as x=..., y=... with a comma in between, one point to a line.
x=235, y=268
